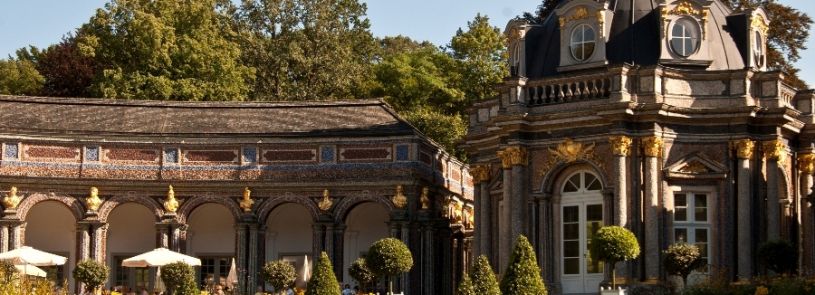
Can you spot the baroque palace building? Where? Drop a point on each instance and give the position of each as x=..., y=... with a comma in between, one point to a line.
x=656, y=115
x=110, y=179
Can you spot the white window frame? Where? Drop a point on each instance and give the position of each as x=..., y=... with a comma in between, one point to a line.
x=688, y=24
x=582, y=43
x=690, y=224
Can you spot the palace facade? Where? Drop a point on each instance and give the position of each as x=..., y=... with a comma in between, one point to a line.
x=660, y=116
x=254, y=182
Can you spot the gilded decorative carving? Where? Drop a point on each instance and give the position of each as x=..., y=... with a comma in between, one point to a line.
x=11, y=200
x=601, y=21
x=399, y=199
x=744, y=148
x=620, y=145
x=775, y=150
x=652, y=146
x=425, y=198
x=480, y=173
x=694, y=167
x=468, y=216
x=456, y=211
x=686, y=8
x=759, y=24
x=579, y=13
x=806, y=163
x=170, y=204
x=570, y=151
x=247, y=202
x=513, y=156
x=93, y=201
x=325, y=203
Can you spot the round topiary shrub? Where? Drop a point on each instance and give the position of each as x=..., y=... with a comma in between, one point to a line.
x=361, y=273
x=484, y=282
x=389, y=257
x=779, y=256
x=522, y=276
x=280, y=275
x=681, y=259
x=614, y=244
x=323, y=281
x=179, y=278
x=91, y=273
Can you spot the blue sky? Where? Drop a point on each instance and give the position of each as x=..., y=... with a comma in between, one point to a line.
x=42, y=22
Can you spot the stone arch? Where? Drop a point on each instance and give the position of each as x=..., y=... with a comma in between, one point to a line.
x=270, y=204
x=348, y=203
x=189, y=205
x=73, y=204
x=555, y=177
x=110, y=204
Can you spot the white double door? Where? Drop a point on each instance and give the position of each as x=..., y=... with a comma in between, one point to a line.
x=581, y=217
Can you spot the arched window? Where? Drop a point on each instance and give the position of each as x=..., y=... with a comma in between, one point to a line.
x=582, y=182
x=758, y=50
x=582, y=42
x=685, y=37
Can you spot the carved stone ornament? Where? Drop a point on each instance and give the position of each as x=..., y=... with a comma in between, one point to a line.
x=480, y=173
x=399, y=199
x=759, y=24
x=247, y=202
x=425, y=198
x=652, y=146
x=570, y=151
x=806, y=163
x=170, y=204
x=93, y=201
x=457, y=209
x=694, y=168
x=325, y=203
x=620, y=145
x=513, y=156
x=685, y=8
x=775, y=150
x=11, y=200
x=468, y=214
x=579, y=13
x=744, y=148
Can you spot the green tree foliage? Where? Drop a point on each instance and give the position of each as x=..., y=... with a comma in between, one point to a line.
x=179, y=278
x=361, y=273
x=779, y=256
x=522, y=276
x=465, y=287
x=279, y=274
x=482, y=59
x=614, y=244
x=174, y=50
x=323, y=281
x=91, y=273
x=544, y=10
x=681, y=259
x=67, y=72
x=389, y=257
x=19, y=77
x=483, y=277
x=306, y=49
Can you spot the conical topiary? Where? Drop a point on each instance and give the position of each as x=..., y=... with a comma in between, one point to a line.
x=522, y=276
x=323, y=281
x=465, y=287
x=483, y=278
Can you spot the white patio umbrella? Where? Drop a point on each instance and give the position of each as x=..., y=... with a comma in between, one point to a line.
x=159, y=283
x=159, y=257
x=303, y=275
x=29, y=256
x=232, y=277
x=31, y=270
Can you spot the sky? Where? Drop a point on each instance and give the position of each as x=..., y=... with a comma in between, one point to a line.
x=43, y=22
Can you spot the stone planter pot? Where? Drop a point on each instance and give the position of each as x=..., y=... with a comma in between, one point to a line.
x=610, y=291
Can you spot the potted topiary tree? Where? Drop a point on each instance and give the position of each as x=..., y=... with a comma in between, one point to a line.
x=779, y=256
x=179, y=278
x=361, y=273
x=465, y=287
x=280, y=275
x=484, y=282
x=91, y=273
x=681, y=259
x=323, y=281
x=522, y=276
x=388, y=258
x=612, y=244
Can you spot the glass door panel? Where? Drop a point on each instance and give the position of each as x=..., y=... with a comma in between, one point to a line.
x=594, y=220
x=571, y=240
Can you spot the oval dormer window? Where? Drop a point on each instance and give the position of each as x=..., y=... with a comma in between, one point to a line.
x=685, y=37
x=582, y=42
x=758, y=50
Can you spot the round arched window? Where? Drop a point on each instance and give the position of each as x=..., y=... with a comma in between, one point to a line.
x=685, y=37
x=582, y=182
x=758, y=50
x=582, y=42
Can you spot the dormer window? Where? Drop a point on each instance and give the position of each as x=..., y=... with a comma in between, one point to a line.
x=758, y=50
x=685, y=37
x=582, y=42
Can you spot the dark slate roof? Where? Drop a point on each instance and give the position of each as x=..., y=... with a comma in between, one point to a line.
x=143, y=117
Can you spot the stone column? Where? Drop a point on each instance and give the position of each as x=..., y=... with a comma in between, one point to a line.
x=620, y=147
x=254, y=257
x=774, y=151
x=483, y=209
x=98, y=240
x=514, y=161
x=318, y=240
x=83, y=240
x=16, y=235
x=339, y=252
x=162, y=235
x=652, y=149
x=241, y=240
x=4, y=238
x=806, y=167
x=428, y=277
x=504, y=228
x=744, y=153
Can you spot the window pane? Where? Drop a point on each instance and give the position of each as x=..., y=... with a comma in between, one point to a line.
x=680, y=235
x=678, y=30
x=681, y=214
x=570, y=214
x=680, y=200
x=589, y=33
x=569, y=187
x=571, y=231
x=701, y=200
x=571, y=249
x=701, y=214
x=594, y=212
x=571, y=266
x=593, y=265
x=589, y=50
x=701, y=235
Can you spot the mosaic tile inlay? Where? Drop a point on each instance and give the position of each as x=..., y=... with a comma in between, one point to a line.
x=171, y=155
x=327, y=154
x=250, y=155
x=92, y=153
x=402, y=152
x=11, y=151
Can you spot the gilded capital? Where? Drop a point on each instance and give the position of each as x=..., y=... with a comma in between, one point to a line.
x=480, y=173
x=774, y=150
x=620, y=145
x=652, y=146
x=513, y=156
x=744, y=148
x=806, y=163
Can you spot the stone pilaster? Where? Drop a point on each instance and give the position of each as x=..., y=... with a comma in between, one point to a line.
x=744, y=153
x=339, y=252
x=652, y=149
x=774, y=151
x=513, y=160
x=241, y=247
x=621, y=148
x=806, y=240
x=162, y=235
x=255, y=255
x=99, y=233
x=4, y=238
x=318, y=240
x=481, y=177
x=83, y=240
x=428, y=279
